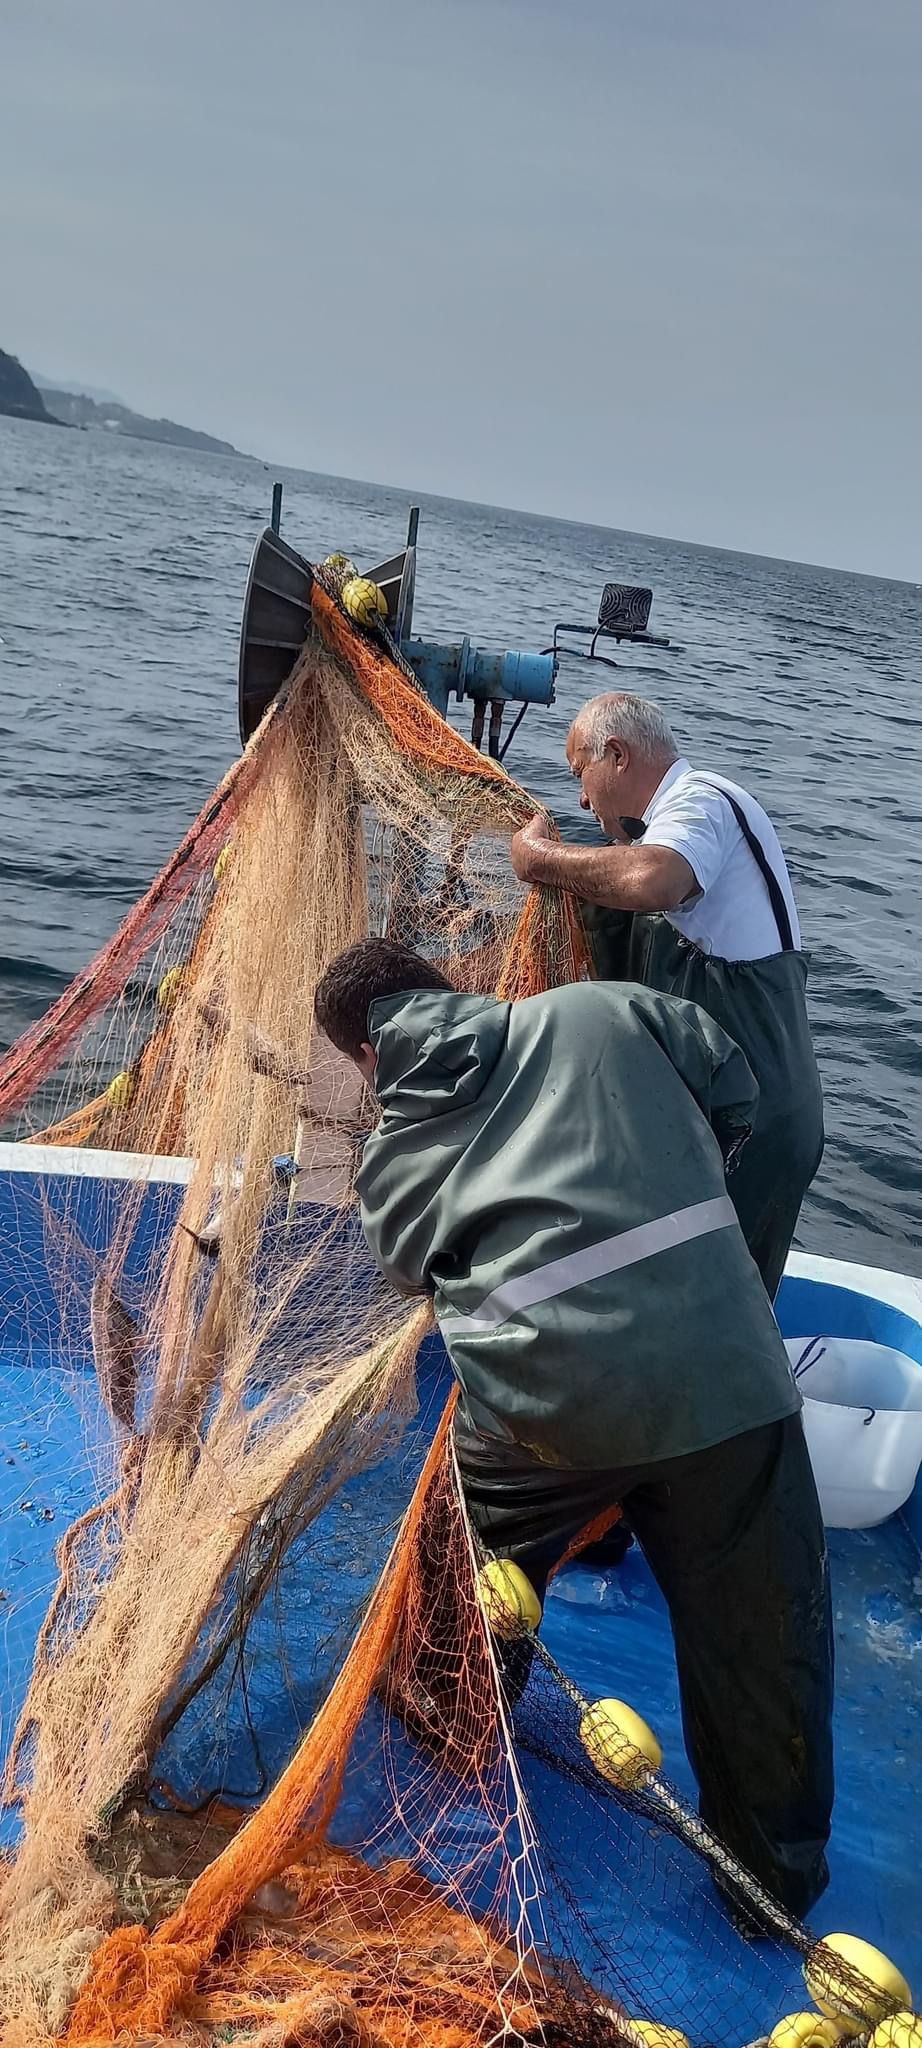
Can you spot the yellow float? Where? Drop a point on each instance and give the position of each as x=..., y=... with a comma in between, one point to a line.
x=882, y=1991
x=363, y=601
x=121, y=1090
x=169, y=987
x=901, y=2030
x=657, y=2036
x=805, y=2030
x=508, y=1598
x=620, y=1745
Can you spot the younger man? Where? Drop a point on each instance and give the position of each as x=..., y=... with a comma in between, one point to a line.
x=552, y=1174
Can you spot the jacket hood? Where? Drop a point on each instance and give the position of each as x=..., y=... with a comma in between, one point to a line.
x=436, y=1050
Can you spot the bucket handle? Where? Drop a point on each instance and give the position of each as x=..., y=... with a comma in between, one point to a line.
x=806, y=1360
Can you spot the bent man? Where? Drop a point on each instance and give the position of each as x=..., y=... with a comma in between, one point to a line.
x=552, y=1174
x=694, y=899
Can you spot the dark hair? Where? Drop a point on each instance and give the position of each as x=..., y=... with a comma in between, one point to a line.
x=356, y=979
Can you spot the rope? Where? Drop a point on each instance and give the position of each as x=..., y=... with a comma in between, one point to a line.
x=44, y=1044
x=693, y=1832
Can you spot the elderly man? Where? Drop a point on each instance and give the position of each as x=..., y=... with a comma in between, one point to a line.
x=692, y=896
x=551, y=1173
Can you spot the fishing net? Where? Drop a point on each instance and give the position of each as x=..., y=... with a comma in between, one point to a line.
x=267, y=1785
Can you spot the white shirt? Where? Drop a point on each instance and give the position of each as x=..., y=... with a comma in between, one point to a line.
x=733, y=917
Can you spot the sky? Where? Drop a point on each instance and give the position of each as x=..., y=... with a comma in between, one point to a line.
x=653, y=264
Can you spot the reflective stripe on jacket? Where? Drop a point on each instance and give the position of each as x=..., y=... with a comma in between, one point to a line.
x=552, y=1172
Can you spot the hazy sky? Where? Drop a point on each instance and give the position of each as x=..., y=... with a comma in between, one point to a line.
x=654, y=263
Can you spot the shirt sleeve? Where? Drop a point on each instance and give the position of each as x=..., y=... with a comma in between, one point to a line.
x=699, y=825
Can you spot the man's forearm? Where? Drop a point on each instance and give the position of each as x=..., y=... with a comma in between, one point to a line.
x=617, y=877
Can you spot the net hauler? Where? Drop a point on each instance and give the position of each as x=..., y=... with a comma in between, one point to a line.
x=276, y=621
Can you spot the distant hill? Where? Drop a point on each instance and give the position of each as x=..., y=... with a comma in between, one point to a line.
x=23, y=398
x=108, y=416
x=19, y=397
x=73, y=385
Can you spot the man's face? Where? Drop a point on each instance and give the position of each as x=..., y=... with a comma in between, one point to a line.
x=605, y=785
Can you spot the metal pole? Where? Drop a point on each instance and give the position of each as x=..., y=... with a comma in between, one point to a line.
x=276, y=520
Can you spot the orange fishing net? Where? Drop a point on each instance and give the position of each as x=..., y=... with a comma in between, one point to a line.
x=351, y=781
x=269, y=1787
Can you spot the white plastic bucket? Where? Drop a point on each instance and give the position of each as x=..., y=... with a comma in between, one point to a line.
x=863, y=1423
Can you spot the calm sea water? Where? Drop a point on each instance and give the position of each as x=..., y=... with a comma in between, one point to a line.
x=122, y=568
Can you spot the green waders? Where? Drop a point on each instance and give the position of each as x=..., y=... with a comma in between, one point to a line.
x=762, y=1005
x=734, y=1537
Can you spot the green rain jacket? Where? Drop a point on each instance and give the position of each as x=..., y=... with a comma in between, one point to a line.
x=552, y=1172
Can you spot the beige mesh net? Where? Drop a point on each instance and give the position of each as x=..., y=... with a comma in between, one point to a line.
x=234, y=1824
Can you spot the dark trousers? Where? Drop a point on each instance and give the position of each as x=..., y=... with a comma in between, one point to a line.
x=735, y=1540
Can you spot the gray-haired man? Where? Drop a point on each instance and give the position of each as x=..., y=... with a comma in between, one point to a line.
x=691, y=896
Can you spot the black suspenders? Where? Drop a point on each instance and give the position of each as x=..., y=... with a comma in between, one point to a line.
x=769, y=877
x=634, y=829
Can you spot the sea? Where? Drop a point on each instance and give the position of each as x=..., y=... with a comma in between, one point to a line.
x=122, y=572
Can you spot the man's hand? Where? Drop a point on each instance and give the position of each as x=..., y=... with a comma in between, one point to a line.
x=525, y=850
x=623, y=877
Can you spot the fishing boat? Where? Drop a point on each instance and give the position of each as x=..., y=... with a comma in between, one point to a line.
x=854, y=1335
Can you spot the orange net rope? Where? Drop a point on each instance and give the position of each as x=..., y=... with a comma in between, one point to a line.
x=138, y=1982
x=244, y=1397
x=268, y=1783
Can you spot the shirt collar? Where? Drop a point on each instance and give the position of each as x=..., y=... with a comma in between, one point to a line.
x=672, y=774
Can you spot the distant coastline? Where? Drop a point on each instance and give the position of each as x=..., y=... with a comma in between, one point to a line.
x=20, y=399
x=24, y=398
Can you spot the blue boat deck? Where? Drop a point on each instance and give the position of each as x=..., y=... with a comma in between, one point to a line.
x=608, y=1631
